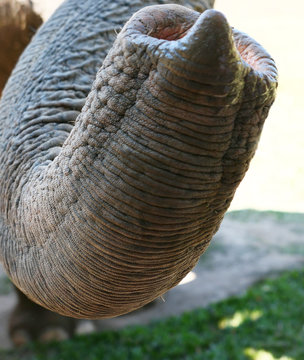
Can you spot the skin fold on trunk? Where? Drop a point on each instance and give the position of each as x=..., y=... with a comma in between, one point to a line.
x=102, y=213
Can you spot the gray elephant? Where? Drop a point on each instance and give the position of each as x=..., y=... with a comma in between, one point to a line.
x=118, y=166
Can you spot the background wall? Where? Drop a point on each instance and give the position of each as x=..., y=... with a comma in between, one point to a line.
x=276, y=176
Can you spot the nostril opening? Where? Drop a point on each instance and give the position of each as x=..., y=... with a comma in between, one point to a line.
x=163, y=22
x=171, y=33
x=254, y=55
x=249, y=55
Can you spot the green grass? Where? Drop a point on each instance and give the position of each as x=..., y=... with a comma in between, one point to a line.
x=266, y=323
x=276, y=216
x=5, y=285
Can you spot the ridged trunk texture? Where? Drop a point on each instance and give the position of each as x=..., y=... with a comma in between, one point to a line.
x=104, y=214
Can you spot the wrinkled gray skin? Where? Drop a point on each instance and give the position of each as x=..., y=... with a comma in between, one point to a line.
x=74, y=74
x=98, y=224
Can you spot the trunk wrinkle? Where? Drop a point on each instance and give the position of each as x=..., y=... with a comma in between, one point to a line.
x=105, y=209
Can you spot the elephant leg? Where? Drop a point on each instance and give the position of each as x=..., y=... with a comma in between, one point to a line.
x=30, y=321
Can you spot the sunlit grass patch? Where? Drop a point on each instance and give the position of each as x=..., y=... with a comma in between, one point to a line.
x=263, y=355
x=239, y=317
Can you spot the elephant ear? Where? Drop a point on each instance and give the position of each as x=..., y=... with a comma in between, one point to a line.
x=133, y=197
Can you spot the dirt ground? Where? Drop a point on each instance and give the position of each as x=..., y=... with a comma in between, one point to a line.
x=249, y=246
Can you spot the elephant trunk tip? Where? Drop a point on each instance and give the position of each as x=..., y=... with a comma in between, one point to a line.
x=209, y=41
x=202, y=47
x=184, y=43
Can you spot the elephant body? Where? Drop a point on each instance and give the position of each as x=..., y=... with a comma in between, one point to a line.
x=111, y=192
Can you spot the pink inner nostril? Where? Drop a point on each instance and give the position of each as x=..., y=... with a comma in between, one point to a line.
x=164, y=22
x=254, y=54
x=248, y=55
x=170, y=33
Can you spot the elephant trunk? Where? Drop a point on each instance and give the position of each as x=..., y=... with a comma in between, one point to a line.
x=150, y=167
